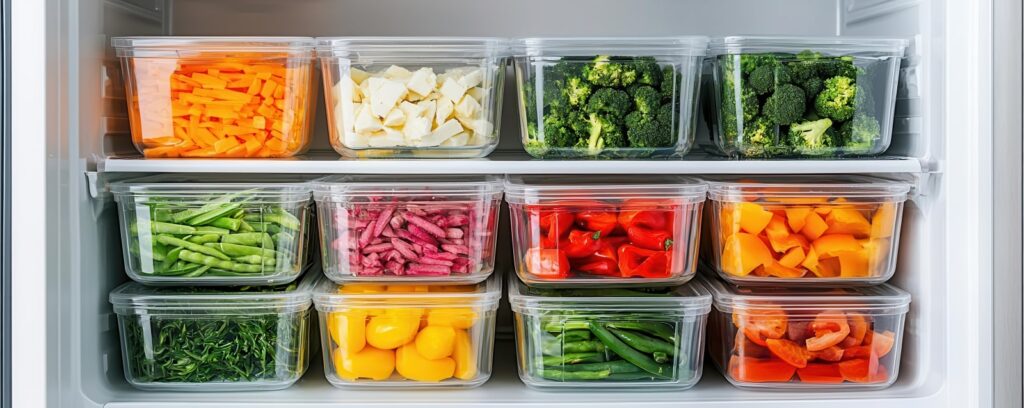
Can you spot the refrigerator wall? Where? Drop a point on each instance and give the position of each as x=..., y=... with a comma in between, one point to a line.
x=939, y=144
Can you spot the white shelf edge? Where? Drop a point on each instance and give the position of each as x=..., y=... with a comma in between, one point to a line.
x=511, y=163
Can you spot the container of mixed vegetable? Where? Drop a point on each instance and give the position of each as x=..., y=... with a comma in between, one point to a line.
x=604, y=230
x=214, y=339
x=409, y=336
x=197, y=230
x=807, y=338
x=608, y=97
x=610, y=338
x=802, y=97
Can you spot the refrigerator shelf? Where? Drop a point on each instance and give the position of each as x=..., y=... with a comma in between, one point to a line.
x=512, y=162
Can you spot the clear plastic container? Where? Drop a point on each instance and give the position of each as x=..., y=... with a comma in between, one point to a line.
x=409, y=336
x=808, y=338
x=214, y=339
x=413, y=96
x=608, y=97
x=206, y=97
x=826, y=231
x=199, y=230
x=802, y=96
x=414, y=229
x=572, y=231
x=638, y=339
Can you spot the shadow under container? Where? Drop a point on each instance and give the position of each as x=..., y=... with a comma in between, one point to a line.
x=624, y=98
x=805, y=230
x=807, y=338
x=605, y=231
x=617, y=339
x=407, y=336
x=219, y=97
x=193, y=230
x=409, y=97
x=214, y=339
x=408, y=229
x=801, y=96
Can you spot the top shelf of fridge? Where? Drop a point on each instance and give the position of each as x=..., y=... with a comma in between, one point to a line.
x=513, y=162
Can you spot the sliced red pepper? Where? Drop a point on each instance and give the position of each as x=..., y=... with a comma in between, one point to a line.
x=547, y=263
x=581, y=244
x=642, y=218
x=646, y=263
x=602, y=221
x=656, y=240
x=747, y=369
x=599, y=266
x=557, y=224
x=820, y=374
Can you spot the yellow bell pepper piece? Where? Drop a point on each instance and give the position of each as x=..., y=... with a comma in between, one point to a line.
x=393, y=328
x=435, y=342
x=348, y=329
x=370, y=362
x=361, y=288
x=459, y=317
x=411, y=365
x=464, y=356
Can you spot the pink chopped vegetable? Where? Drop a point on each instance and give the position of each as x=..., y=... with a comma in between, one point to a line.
x=382, y=220
x=421, y=222
x=456, y=249
x=421, y=269
x=426, y=260
x=381, y=247
x=453, y=233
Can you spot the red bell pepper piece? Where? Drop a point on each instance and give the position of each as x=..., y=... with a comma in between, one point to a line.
x=642, y=218
x=599, y=266
x=556, y=224
x=657, y=240
x=602, y=221
x=646, y=263
x=581, y=244
x=547, y=263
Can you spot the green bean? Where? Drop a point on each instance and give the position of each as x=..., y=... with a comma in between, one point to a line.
x=256, y=260
x=617, y=366
x=227, y=223
x=658, y=329
x=253, y=239
x=185, y=215
x=213, y=215
x=639, y=375
x=202, y=239
x=209, y=229
x=198, y=272
x=168, y=228
x=245, y=227
x=169, y=260
x=196, y=257
x=158, y=251
x=643, y=342
x=555, y=347
x=574, y=335
x=242, y=250
x=660, y=357
x=169, y=240
x=279, y=217
x=162, y=214
x=556, y=327
x=573, y=358
x=559, y=375
x=628, y=353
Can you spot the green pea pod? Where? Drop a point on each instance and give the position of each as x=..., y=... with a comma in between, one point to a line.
x=657, y=329
x=242, y=250
x=644, y=343
x=212, y=215
x=555, y=347
x=202, y=239
x=183, y=270
x=256, y=260
x=198, y=272
x=230, y=224
x=169, y=260
x=213, y=262
x=169, y=240
x=162, y=214
x=167, y=228
x=573, y=358
x=559, y=375
x=209, y=229
x=618, y=366
x=628, y=353
x=186, y=215
x=254, y=239
x=245, y=227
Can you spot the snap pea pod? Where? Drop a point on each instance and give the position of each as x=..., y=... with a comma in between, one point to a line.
x=202, y=239
x=560, y=375
x=644, y=342
x=618, y=366
x=256, y=260
x=656, y=329
x=282, y=218
x=555, y=347
x=169, y=260
x=573, y=358
x=169, y=240
x=159, y=227
x=628, y=353
x=242, y=250
x=255, y=239
x=213, y=215
x=210, y=229
x=213, y=262
x=230, y=224
x=185, y=215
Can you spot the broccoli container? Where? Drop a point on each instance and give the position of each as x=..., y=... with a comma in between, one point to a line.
x=802, y=97
x=608, y=97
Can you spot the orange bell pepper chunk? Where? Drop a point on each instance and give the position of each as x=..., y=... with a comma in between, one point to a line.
x=848, y=221
x=796, y=217
x=817, y=373
x=779, y=270
x=882, y=343
x=814, y=226
x=884, y=221
x=862, y=370
x=742, y=253
x=853, y=264
x=788, y=351
x=832, y=245
x=830, y=328
x=793, y=257
x=752, y=217
x=859, y=327
x=761, y=324
x=746, y=369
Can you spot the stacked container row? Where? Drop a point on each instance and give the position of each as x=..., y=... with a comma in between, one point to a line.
x=205, y=97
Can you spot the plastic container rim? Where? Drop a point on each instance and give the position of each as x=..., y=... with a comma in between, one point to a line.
x=881, y=299
x=124, y=46
x=327, y=298
x=519, y=191
x=332, y=47
x=692, y=46
x=858, y=187
x=892, y=47
x=133, y=297
x=339, y=187
x=692, y=298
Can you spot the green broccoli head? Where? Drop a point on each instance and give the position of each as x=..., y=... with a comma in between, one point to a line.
x=839, y=66
x=665, y=115
x=786, y=105
x=750, y=62
x=750, y=104
x=670, y=81
x=609, y=101
x=836, y=101
x=567, y=67
x=558, y=130
x=813, y=137
x=812, y=87
x=758, y=136
x=576, y=91
x=649, y=133
x=604, y=132
x=762, y=79
x=648, y=71
x=646, y=99
x=860, y=134
x=602, y=71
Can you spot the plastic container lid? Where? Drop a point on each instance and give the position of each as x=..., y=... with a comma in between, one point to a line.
x=537, y=188
x=329, y=296
x=133, y=297
x=271, y=189
x=175, y=47
x=880, y=299
x=344, y=188
x=692, y=297
x=411, y=46
x=838, y=45
x=861, y=188
x=637, y=46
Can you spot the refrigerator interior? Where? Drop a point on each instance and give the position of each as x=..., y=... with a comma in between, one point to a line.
x=93, y=149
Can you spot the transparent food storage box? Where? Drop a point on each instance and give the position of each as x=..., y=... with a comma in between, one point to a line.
x=641, y=339
x=423, y=229
x=792, y=230
x=808, y=338
x=207, y=97
x=608, y=97
x=572, y=231
x=802, y=97
x=413, y=96
x=377, y=335
x=206, y=231
x=214, y=339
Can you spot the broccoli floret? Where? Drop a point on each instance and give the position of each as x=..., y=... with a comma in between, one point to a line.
x=635, y=119
x=610, y=101
x=750, y=62
x=860, y=133
x=576, y=91
x=836, y=101
x=864, y=101
x=762, y=79
x=750, y=104
x=603, y=133
x=812, y=87
x=832, y=67
x=567, y=67
x=757, y=137
x=669, y=82
x=786, y=105
x=557, y=129
x=602, y=71
x=649, y=133
x=554, y=94
x=812, y=138
x=536, y=148
x=646, y=99
x=665, y=115
x=648, y=71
